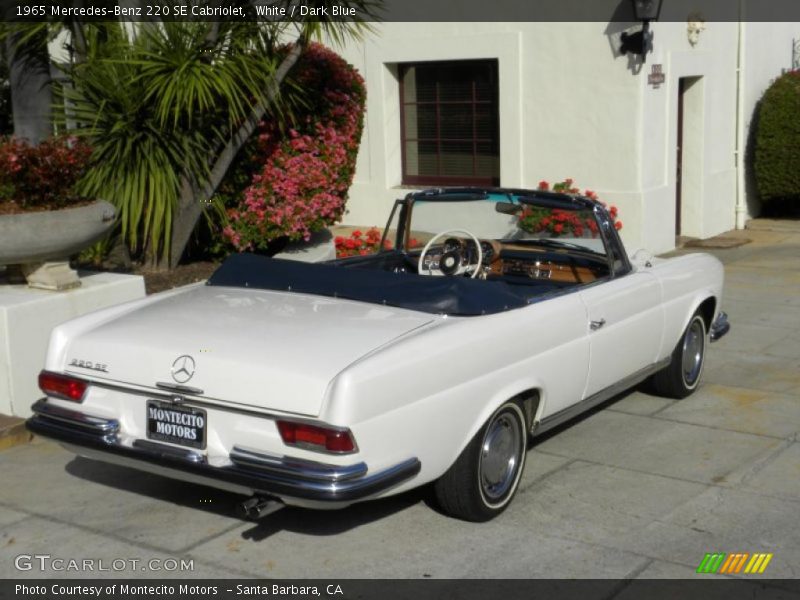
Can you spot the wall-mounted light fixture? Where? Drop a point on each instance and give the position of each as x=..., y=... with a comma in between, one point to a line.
x=641, y=42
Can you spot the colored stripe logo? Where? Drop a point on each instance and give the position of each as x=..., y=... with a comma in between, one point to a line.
x=734, y=563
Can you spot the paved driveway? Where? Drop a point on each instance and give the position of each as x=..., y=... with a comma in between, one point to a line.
x=641, y=487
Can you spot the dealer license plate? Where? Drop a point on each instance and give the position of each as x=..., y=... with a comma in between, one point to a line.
x=182, y=425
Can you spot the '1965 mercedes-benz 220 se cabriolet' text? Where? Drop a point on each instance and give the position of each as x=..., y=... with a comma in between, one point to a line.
x=487, y=316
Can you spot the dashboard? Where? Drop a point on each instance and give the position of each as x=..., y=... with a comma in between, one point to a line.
x=515, y=261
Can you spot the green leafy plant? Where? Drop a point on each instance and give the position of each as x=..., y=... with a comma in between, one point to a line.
x=169, y=108
x=777, y=141
x=155, y=108
x=96, y=254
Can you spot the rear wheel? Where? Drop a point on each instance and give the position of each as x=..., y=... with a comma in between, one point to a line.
x=485, y=477
x=682, y=376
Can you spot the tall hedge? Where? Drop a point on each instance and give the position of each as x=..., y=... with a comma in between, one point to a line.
x=777, y=141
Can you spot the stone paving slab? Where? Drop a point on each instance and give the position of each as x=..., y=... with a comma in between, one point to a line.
x=778, y=477
x=778, y=296
x=109, y=557
x=638, y=403
x=510, y=547
x=154, y=511
x=8, y=516
x=788, y=347
x=680, y=450
x=747, y=410
x=598, y=504
x=737, y=521
x=767, y=371
x=752, y=313
x=539, y=466
x=755, y=339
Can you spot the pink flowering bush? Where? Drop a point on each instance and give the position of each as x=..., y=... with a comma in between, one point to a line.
x=40, y=177
x=301, y=185
x=564, y=222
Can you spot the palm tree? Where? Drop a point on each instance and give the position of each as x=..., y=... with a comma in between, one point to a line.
x=168, y=105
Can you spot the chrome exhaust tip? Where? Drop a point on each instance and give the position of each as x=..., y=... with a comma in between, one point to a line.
x=258, y=507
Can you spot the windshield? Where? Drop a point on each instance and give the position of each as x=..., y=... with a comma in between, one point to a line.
x=504, y=218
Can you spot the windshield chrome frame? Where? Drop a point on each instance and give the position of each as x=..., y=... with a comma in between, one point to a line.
x=615, y=252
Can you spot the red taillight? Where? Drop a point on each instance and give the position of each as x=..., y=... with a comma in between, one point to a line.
x=314, y=437
x=62, y=386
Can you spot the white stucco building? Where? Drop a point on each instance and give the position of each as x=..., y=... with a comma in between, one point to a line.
x=511, y=104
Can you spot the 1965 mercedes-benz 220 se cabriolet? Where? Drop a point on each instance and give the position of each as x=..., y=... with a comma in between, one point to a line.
x=321, y=385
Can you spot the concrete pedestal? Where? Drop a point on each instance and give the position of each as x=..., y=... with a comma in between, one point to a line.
x=28, y=315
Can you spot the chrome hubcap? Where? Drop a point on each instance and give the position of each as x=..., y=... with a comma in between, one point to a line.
x=693, y=347
x=500, y=456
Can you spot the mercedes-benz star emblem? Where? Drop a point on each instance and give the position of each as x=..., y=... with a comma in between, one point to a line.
x=183, y=368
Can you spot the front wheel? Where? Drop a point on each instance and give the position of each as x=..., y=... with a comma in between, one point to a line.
x=682, y=376
x=484, y=478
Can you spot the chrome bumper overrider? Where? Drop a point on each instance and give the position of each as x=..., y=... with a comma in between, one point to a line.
x=247, y=469
x=720, y=326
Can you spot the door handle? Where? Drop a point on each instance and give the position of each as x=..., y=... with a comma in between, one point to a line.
x=595, y=325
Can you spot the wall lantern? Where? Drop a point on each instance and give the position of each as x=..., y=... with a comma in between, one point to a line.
x=641, y=42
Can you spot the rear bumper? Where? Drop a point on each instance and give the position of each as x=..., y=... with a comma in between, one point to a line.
x=245, y=471
x=720, y=326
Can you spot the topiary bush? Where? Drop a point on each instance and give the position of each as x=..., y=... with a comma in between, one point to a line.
x=776, y=161
x=304, y=174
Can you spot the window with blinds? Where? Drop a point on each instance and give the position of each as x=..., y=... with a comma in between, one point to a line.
x=449, y=123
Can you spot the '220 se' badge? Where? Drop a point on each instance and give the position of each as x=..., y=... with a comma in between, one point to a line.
x=88, y=364
x=183, y=368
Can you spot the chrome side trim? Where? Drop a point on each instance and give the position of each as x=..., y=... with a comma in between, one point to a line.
x=599, y=397
x=247, y=472
x=719, y=327
x=297, y=467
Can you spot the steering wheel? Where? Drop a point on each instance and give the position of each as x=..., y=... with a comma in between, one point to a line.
x=450, y=262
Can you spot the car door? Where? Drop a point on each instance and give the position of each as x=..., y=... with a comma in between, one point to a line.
x=626, y=322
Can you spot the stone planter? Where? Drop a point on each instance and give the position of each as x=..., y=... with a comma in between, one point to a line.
x=41, y=242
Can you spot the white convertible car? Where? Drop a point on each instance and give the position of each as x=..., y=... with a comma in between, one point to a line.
x=488, y=316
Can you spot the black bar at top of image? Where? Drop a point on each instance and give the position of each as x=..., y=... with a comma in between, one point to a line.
x=712, y=587
x=402, y=10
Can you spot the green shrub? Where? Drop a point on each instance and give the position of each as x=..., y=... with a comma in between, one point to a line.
x=777, y=141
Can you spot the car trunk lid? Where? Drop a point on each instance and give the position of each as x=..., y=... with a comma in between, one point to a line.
x=266, y=349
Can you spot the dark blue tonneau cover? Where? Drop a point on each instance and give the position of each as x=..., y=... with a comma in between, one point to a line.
x=437, y=295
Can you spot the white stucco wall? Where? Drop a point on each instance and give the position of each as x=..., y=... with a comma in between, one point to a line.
x=571, y=106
